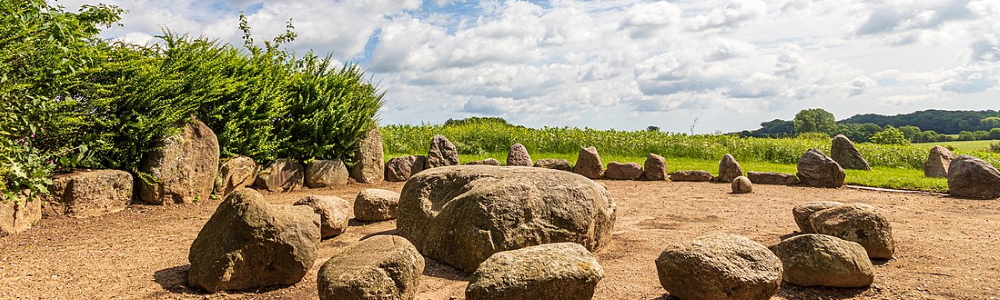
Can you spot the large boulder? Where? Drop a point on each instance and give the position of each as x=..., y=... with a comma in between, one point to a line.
x=772, y=178
x=970, y=177
x=938, y=161
x=248, y=243
x=326, y=173
x=463, y=214
x=623, y=171
x=553, y=163
x=90, y=193
x=719, y=266
x=691, y=175
x=183, y=166
x=235, y=173
x=18, y=216
x=802, y=213
x=375, y=205
x=654, y=168
x=844, y=153
x=589, y=164
x=369, y=163
x=742, y=185
x=823, y=260
x=518, y=156
x=399, y=169
x=383, y=267
x=729, y=169
x=334, y=213
x=442, y=153
x=562, y=271
x=818, y=170
x=486, y=162
x=859, y=223
x=281, y=176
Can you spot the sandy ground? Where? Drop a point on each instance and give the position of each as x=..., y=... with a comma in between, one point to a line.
x=946, y=248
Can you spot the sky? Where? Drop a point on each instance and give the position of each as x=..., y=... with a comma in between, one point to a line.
x=698, y=66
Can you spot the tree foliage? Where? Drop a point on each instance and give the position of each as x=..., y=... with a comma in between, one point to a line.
x=941, y=121
x=815, y=120
x=890, y=136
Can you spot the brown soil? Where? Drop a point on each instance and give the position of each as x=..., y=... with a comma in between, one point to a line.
x=946, y=248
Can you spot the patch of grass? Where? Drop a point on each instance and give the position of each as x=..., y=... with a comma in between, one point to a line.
x=968, y=146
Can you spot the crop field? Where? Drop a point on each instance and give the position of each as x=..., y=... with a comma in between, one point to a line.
x=895, y=166
x=962, y=145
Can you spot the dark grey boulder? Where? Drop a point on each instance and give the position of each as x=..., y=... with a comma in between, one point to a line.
x=844, y=153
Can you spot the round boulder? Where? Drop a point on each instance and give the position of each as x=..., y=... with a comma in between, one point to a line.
x=333, y=213
x=248, y=243
x=375, y=205
x=970, y=177
x=562, y=271
x=823, y=260
x=461, y=215
x=802, y=213
x=518, y=156
x=719, y=266
x=742, y=185
x=623, y=171
x=818, y=170
x=859, y=223
x=383, y=267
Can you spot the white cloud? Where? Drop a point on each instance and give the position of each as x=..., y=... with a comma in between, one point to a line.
x=733, y=15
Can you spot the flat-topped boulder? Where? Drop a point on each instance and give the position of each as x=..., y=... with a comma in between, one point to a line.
x=382, y=267
x=183, y=167
x=561, y=271
x=281, y=176
x=461, y=215
x=772, y=178
x=399, y=169
x=719, y=266
x=485, y=162
x=970, y=177
x=623, y=171
x=588, y=164
x=729, y=169
x=552, y=163
x=823, y=260
x=518, y=156
x=691, y=175
x=368, y=159
x=844, y=153
x=248, y=243
x=376, y=205
x=441, y=153
x=818, y=170
x=90, y=193
x=938, y=161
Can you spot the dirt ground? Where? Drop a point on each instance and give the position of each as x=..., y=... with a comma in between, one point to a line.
x=946, y=248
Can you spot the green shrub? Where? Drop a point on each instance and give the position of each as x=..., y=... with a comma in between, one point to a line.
x=890, y=136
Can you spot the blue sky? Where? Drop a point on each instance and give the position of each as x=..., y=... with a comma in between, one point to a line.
x=628, y=64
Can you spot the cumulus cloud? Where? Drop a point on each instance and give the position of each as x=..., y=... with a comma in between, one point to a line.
x=733, y=15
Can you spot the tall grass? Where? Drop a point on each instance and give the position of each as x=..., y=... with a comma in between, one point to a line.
x=486, y=138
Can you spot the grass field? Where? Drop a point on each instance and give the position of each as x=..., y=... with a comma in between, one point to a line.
x=962, y=145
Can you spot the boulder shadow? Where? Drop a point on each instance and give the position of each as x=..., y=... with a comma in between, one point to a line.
x=791, y=291
x=440, y=270
x=174, y=280
x=665, y=297
x=386, y=232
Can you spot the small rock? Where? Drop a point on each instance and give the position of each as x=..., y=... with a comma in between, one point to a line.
x=518, y=156
x=719, y=266
x=555, y=164
x=729, y=169
x=623, y=171
x=334, y=213
x=823, y=260
x=375, y=205
x=859, y=223
x=561, y=271
x=742, y=185
x=326, y=173
x=688, y=175
x=383, y=267
x=655, y=167
x=801, y=214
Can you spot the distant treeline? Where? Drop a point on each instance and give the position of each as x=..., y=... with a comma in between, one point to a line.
x=918, y=127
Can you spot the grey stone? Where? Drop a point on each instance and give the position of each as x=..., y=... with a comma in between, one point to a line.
x=729, y=169
x=369, y=164
x=719, y=266
x=859, y=223
x=183, y=166
x=970, y=177
x=326, y=173
x=772, y=178
x=281, y=176
x=383, y=267
x=623, y=171
x=555, y=164
x=235, y=173
x=655, y=167
x=334, y=213
x=442, y=153
x=742, y=185
x=518, y=156
x=561, y=271
x=818, y=170
x=844, y=153
x=938, y=161
x=823, y=260
x=375, y=205
x=691, y=175
x=801, y=214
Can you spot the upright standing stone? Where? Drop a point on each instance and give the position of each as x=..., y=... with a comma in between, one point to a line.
x=655, y=167
x=235, y=173
x=588, y=164
x=938, y=161
x=399, y=169
x=518, y=156
x=281, y=176
x=844, y=153
x=442, y=153
x=970, y=177
x=90, y=193
x=819, y=170
x=248, y=243
x=183, y=167
x=326, y=173
x=729, y=169
x=369, y=161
